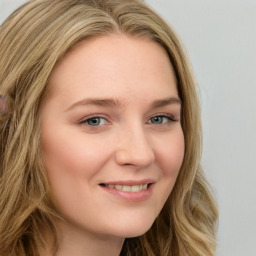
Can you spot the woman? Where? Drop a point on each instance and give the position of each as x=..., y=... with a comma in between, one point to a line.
x=100, y=153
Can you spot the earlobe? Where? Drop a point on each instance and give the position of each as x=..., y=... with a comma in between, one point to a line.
x=3, y=105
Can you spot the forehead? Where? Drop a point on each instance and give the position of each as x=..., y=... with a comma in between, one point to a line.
x=112, y=61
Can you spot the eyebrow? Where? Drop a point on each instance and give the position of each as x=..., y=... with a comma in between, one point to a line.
x=111, y=102
x=165, y=102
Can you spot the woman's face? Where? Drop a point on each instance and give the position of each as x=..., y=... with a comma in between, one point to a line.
x=111, y=135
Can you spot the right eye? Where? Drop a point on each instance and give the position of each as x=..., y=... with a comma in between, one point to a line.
x=94, y=121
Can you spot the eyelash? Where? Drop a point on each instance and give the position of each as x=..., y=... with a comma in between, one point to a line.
x=85, y=121
x=169, y=117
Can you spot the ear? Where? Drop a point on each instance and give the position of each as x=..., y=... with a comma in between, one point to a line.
x=3, y=105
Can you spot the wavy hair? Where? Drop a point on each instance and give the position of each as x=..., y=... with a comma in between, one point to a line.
x=32, y=41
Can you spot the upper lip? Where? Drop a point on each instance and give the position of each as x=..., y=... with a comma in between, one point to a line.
x=130, y=182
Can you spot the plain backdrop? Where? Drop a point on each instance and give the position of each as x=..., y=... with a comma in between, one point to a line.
x=220, y=39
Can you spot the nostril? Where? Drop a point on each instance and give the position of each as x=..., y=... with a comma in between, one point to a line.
x=134, y=157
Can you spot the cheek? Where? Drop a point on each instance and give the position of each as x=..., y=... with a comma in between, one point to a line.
x=70, y=167
x=64, y=161
x=71, y=157
x=59, y=154
x=171, y=154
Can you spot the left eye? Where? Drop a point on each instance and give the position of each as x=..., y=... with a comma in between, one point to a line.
x=95, y=121
x=160, y=119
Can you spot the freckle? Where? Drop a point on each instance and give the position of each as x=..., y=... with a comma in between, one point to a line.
x=3, y=105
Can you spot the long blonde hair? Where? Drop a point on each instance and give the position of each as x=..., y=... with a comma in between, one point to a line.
x=32, y=41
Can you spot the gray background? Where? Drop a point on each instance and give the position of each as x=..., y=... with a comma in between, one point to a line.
x=220, y=38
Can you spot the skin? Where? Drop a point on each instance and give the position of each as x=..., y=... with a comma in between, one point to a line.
x=3, y=104
x=124, y=142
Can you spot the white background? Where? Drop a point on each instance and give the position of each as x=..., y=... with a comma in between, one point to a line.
x=220, y=38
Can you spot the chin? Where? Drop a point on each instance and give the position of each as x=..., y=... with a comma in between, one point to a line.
x=134, y=229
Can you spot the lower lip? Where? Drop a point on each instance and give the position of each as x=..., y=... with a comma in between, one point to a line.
x=139, y=196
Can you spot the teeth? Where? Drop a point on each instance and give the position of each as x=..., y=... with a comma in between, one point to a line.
x=118, y=187
x=126, y=188
x=144, y=186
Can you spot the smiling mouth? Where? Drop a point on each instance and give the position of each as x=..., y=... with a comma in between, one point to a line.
x=127, y=188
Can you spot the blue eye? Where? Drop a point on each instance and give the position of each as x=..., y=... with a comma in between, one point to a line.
x=161, y=119
x=95, y=121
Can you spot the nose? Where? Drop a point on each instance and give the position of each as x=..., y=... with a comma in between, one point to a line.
x=134, y=149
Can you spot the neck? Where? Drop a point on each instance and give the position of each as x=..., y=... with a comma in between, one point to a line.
x=74, y=241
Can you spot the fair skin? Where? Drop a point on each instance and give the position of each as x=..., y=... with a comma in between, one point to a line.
x=111, y=123
x=3, y=105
